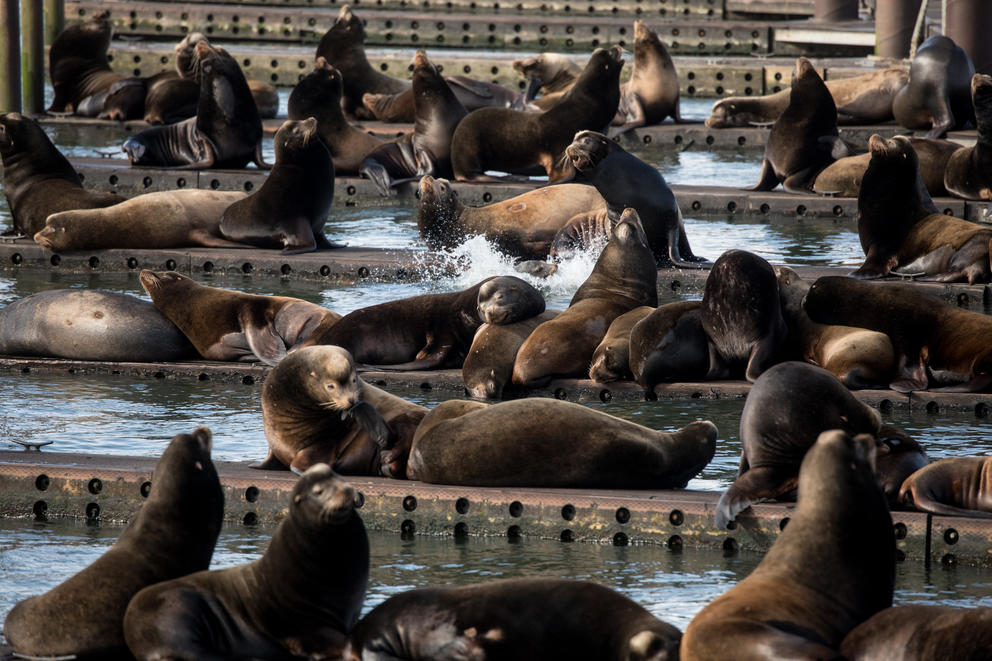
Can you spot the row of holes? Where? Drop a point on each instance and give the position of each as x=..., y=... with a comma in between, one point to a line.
x=687, y=11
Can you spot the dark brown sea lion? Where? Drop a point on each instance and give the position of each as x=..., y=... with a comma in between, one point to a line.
x=937, y=97
x=514, y=140
x=582, y=232
x=77, y=62
x=510, y=619
x=900, y=227
x=343, y=46
x=917, y=632
x=226, y=132
x=166, y=219
x=524, y=226
x=969, y=172
x=550, y=443
x=124, y=100
x=37, y=179
x=844, y=176
x=316, y=409
x=669, y=345
x=470, y=93
x=611, y=359
x=789, y=406
x=937, y=345
x=806, y=595
x=626, y=181
x=426, y=151
x=953, y=486
x=431, y=331
x=290, y=208
x=319, y=95
x=230, y=325
x=170, y=99
x=488, y=365
x=300, y=599
x=623, y=278
x=652, y=94
x=865, y=99
x=859, y=357
x=85, y=324
x=173, y=534
x=804, y=139
x=742, y=316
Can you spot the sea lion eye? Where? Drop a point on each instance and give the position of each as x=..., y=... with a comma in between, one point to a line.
x=330, y=386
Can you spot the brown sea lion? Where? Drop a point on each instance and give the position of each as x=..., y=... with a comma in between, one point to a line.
x=937, y=97
x=953, y=486
x=470, y=93
x=37, y=179
x=917, y=632
x=513, y=140
x=316, y=409
x=230, y=325
x=289, y=210
x=173, y=534
x=343, y=46
x=652, y=94
x=900, y=227
x=583, y=231
x=488, y=365
x=77, y=62
x=806, y=595
x=166, y=219
x=859, y=357
x=969, y=172
x=124, y=100
x=669, y=345
x=523, y=226
x=431, y=331
x=742, y=316
x=170, y=99
x=611, y=359
x=510, y=619
x=623, y=278
x=551, y=73
x=937, y=345
x=300, y=599
x=551, y=443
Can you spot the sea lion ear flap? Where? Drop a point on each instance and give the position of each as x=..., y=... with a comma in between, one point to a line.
x=371, y=421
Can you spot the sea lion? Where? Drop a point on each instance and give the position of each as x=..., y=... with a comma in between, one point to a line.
x=85, y=324
x=804, y=139
x=969, y=172
x=299, y=599
x=789, y=406
x=669, y=345
x=742, y=316
x=124, y=100
x=173, y=534
x=316, y=409
x=900, y=227
x=488, y=364
x=319, y=95
x=843, y=177
x=953, y=486
x=77, y=62
x=860, y=358
x=343, y=46
x=510, y=619
x=626, y=181
x=548, y=72
x=917, y=632
x=37, y=179
x=170, y=98
x=652, y=94
x=611, y=359
x=514, y=140
x=524, y=226
x=226, y=132
x=426, y=151
x=865, y=99
x=583, y=231
x=806, y=595
x=552, y=443
x=937, y=97
x=230, y=325
x=432, y=331
x=290, y=208
x=470, y=93
x=166, y=219
x=937, y=345
x=623, y=278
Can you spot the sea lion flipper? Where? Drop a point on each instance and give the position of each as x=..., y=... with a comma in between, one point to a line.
x=269, y=463
x=910, y=378
x=769, y=179
x=376, y=172
x=371, y=421
x=259, y=159
x=472, y=86
x=755, y=485
x=264, y=342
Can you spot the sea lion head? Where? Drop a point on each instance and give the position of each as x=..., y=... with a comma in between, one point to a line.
x=892, y=187
x=588, y=148
x=55, y=234
x=348, y=27
x=438, y=213
x=185, y=463
x=161, y=286
x=981, y=96
x=187, y=61
x=90, y=37
x=331, y=377
x=318, y=94
x=296, y=136
x=837, y=458
x=608, y=365
x=322, y=498
x=544, y=69
x=13, y=133
x=507, y=299
x=804, y=70
x=629, y=232
x=604, y=60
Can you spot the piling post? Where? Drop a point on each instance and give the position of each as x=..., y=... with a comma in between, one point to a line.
x=894, y=23
x=32, y=56
x=10, y=56
x=831, y=11
x=969, y=24
x=54, y=19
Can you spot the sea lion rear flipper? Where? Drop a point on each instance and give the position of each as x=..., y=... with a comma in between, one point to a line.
x=757, y=484
x=769, y=179
x=201, y=237
x=376, y=172
x=269, y=463
x=372, y=421
x=927, y=504
x=263, y=341
x=910, y=378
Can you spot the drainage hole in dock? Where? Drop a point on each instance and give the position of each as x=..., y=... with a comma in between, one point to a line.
x=567, y=536
x=674, y=543
x=676, y=285
x=145, y=488
x=838, y=210
x=410, y=503
x=407, y=529
x=39, y=509
x=516, y=509
x=885, y=406
x=561, y=393
x=948, y=212
x=764, y=208
x=251, y=494
x=962, y=300
x=678, y=140
x=248, y=380
x=462, y=505
x=285, y=269
x=623, y=515
x=605, y=395
x=42, y=482
x=933, y=408
x=359, y=500
x=247, y=267
x=900, y=531
x=25, y=370
x=325, y=270
x=900, y=555
x=981, y=410
x=650, y=396
x=741, y=140
x=620, y=539
x=95, y=486
x=170, y=264
x=250, y=519
x=214, y=184
x=146, y=182
x=487, y=197
x=363, y=272
x=783, y=523
x=729, y=546
x=208, y=267
x=696, y=205
x=513, y=533
x=568, y=512
x=92, y=511
x=16, y=258
x=159, y=375
x=426, y=386
x=132, y=263
x=948, y=560
x=731, y=206
x=94, y=262
x=248, y=186
x=112, y=179
x=181, y=182
x=55, y=260
x=461, y=529
x=951, y=536
x=676, y=518
x=801, y=210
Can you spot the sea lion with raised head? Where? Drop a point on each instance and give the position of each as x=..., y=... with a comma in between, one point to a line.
x=652, y=93
x=77, y=62
x=969, y=172
x=488, y=365
x=952, y=486
x=937, y=97
x=611, y=359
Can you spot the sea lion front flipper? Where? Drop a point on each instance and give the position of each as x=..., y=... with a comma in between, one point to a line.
x=269, y=463
x=259, y=159
x=299, y=237
x=754, y=485
x=799, y=182
x=376, y=172
x=263, y=341
x=875, y=266
x=371, y=421
x=769, y=179
x=943, y=120
x=909, y=379
x=472, y=86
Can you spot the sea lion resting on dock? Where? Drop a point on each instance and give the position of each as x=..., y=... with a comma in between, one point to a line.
x=953, y=486
x=488, y=366
x=917, y=632
x=611, y=359
x=669, y=345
